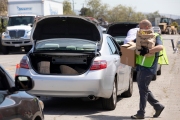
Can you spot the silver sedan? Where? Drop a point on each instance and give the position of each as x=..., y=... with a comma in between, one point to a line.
x=72, y=58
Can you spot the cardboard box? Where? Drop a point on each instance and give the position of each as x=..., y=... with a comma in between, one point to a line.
x=128, y=54
x=44, y=67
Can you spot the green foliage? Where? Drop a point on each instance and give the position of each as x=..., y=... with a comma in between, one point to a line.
x=67, y=10
x=94, y=6
x=85, y=12
x=153, y=15
x=5, y=24
x=3, y=7
x=175, y=24
x=118, y=13
x=122, y=13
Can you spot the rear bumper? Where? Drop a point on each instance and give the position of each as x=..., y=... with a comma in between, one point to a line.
x=91, y=83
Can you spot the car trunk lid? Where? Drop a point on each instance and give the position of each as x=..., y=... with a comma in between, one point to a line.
x=119, y=30
x=66, y=27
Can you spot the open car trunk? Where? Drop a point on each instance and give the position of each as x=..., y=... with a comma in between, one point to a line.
x=119, y=30
x=64, y=45
x=74, y=64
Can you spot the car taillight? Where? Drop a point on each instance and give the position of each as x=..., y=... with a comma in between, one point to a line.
x=98, y=65
x=23, y=64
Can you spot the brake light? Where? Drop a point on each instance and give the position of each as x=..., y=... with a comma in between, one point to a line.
x=98, y=65
x=23, y=64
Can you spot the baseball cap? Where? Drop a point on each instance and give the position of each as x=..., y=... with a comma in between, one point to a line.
x=131, y=35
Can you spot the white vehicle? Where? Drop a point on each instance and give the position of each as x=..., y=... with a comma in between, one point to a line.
x=157, y=29
x=21, y=16
x=73, y=58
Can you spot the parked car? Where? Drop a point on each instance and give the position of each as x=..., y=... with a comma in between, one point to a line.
x=157, y=29
x=119, y=32
x=69, y=60
x=15, y=103
x=103, y=29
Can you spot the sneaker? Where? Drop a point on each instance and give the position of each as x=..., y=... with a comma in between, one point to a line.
x=158, y=112
x=137, y=116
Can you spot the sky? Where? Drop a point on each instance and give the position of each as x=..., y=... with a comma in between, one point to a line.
x=171, y=7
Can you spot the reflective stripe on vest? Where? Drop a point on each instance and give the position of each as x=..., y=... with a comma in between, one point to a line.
x=148, y=61
x=163, y=60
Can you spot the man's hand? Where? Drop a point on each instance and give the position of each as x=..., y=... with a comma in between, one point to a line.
x=143, y=50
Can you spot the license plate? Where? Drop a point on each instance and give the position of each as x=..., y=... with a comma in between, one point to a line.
x=17, y=45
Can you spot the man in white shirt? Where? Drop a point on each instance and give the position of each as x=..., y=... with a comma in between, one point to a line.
x=131, y=35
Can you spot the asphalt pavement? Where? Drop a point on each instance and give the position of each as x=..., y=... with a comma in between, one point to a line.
x=165, y=89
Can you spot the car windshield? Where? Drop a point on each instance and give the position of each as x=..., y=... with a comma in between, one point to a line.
x=21, y=20
x=76, y=45
x=156, y=28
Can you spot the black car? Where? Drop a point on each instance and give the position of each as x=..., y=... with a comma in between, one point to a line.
x=15, y=103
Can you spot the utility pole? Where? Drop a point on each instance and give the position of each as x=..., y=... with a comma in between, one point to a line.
x=73, y=4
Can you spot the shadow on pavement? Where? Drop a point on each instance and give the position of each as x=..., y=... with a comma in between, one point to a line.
x=107, y=117
x=72, y=106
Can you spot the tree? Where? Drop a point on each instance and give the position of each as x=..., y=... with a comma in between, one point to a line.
x=94, y=6
x=103, y=11
x=67, y=10
x=138, y=16
x=153, y=15
x=85, y=12
x=122, y=13
x=3, y=7
x=175, y=24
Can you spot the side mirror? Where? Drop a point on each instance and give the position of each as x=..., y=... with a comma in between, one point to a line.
x=23, y=83
x=31, y=25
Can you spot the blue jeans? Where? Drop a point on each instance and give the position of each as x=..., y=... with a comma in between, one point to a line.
x=144, y=78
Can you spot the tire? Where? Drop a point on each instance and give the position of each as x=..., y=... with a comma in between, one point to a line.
x=110, y=103
x=134, y=75
x=129, y=92
x=4, y=49
x=27, y=49
x=169, y=31
x=159, y=71
x=154, y=77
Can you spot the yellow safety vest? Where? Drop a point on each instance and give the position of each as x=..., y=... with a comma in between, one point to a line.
x=148, y=61
x=163, y=59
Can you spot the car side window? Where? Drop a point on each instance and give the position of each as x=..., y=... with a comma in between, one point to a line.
x=111, y=46
x=116, y=44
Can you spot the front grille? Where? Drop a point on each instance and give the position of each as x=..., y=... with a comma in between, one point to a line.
x=16, y=33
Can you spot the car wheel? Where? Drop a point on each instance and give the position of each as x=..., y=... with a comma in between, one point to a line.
x=159, y=71
x=154, y=77
x=129, y=92
x=110, y=103
x=3, y=48
x=27, y=49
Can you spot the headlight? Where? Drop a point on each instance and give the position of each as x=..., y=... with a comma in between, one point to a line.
x=41, y=104
x=5, y=35
x=28, y=33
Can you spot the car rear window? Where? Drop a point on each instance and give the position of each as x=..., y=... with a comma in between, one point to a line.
x=65, y=45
